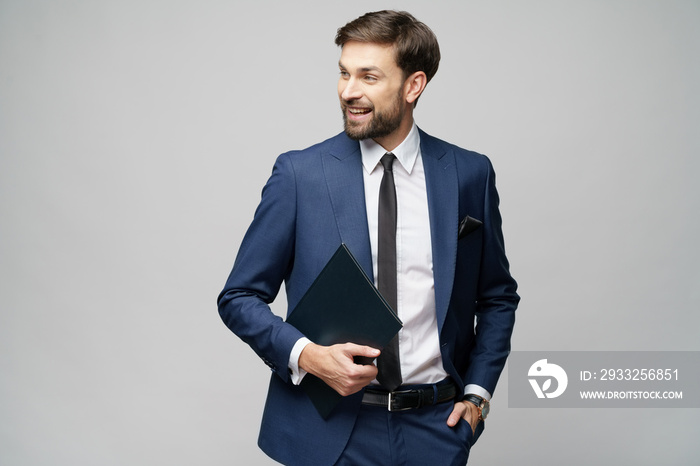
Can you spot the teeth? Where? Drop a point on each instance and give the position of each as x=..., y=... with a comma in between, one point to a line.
x=357, y=111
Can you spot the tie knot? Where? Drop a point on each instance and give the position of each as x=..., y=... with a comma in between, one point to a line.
x=388, y=160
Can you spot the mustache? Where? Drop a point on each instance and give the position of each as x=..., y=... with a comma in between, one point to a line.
x=356, y=103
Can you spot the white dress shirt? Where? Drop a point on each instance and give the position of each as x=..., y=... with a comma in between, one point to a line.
x=419, y=342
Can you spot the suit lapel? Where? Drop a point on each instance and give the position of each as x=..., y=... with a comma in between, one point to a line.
x=443, y=206
x=342, y=167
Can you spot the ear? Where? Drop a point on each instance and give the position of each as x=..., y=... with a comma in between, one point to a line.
x=414, y=85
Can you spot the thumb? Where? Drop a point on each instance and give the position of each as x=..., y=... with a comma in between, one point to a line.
x=456, y=415
x=359, y=350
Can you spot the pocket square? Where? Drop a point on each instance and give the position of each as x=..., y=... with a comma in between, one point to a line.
x=468, y=225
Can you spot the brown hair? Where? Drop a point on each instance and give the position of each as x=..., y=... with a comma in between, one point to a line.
x=416, y=46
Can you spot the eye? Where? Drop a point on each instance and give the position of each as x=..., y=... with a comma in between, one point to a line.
x=370, y=78
x=344, y=74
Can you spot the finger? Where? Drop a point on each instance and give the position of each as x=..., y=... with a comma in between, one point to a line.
x=457, y=413
x=362, y=372
x=368, y=372
x=360, y=350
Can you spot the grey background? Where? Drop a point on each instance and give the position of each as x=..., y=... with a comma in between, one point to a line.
x=135, y=137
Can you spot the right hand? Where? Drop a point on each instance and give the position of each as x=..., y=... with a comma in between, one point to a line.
x=334, y=365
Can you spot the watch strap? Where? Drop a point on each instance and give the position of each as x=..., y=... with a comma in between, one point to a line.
x=474, y=399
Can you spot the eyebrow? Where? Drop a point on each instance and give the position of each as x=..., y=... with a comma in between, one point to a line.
x=365, y=69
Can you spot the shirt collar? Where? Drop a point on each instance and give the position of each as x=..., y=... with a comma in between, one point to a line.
x=406, y=152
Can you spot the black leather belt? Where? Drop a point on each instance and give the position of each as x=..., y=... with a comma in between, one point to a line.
x=411, y=398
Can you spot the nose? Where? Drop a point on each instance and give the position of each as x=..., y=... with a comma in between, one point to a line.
x=349, y=89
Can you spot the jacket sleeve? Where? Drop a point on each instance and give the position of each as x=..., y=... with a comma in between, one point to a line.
x=263, y=262
x=496, y=298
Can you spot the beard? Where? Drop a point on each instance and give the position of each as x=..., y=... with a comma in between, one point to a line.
x=381, y=124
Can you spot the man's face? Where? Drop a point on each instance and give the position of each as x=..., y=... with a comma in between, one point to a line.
x=370, y=90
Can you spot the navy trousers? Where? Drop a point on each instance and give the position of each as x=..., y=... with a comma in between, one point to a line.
x=406, y=438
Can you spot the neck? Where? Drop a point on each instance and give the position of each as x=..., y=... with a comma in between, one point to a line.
x=392, y=141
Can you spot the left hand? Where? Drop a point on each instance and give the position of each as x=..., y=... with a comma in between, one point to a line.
x=466, y=411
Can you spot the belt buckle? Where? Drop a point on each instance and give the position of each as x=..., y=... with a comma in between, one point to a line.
x=390, y=402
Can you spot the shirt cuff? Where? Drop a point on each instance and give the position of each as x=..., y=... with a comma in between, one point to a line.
x=296, y=374
x=474, y=389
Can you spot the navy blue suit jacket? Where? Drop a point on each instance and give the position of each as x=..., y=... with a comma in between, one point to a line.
x=313, y=201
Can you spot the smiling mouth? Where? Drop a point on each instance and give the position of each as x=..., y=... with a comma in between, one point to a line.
x=359, y=111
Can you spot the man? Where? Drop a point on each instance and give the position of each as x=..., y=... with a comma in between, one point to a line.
x=421, y=217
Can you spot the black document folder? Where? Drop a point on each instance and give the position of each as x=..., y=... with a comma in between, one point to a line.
x=342, y=305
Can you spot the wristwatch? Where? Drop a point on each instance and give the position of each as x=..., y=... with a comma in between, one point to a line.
x=481, y=403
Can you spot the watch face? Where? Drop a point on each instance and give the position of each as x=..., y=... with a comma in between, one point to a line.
x=485, y=408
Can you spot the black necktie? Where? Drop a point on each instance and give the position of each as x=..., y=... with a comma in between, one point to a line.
x=388, y=362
